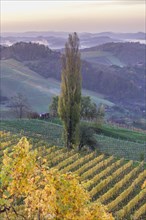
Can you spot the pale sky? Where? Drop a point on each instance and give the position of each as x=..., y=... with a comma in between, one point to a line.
x=80, y=16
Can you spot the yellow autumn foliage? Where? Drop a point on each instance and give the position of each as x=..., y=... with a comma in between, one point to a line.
x=30, y=190
x=144, y=184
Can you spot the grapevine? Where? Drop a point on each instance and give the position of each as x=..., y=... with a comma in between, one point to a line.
x=109, y=179
x=98, y=166
x=126, y=192
x=140, y=212
x=121, y=214
x=119, y=184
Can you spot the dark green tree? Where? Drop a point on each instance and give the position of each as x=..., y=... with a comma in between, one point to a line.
x=86, y=137
x=88, y=108
x=53, y=108
x=70, y=98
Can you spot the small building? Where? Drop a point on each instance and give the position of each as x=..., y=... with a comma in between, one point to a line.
x=45, y=115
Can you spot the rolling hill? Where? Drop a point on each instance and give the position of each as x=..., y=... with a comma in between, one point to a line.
x=113, y=82
x=120, y=54
x=17, y=78
x=123, y=86
x=101, y=57
x=56, y=40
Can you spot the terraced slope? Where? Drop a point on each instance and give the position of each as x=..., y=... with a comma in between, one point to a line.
x=114, y=182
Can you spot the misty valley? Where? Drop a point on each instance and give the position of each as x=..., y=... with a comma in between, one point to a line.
x=113, y=73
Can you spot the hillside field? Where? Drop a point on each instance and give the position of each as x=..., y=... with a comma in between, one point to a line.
x=17, y=78
x=101, y=57
x=114, y=181
x=131, y=145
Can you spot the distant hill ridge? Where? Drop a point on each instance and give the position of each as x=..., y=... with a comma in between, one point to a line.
x=129, y=53
x=23, y=51
x=56, y=39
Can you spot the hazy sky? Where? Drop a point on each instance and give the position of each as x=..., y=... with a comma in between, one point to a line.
x=87, y=16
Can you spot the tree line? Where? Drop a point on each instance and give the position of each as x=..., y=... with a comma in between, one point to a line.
x=88, y=111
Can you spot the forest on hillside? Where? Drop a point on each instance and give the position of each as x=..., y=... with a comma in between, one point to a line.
x=121, y=84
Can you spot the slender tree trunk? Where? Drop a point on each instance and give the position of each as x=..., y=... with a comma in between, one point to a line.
x=69, y=135
x=20, y=116
x=39, y=215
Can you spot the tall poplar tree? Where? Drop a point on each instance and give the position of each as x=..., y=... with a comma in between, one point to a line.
x=70, y=98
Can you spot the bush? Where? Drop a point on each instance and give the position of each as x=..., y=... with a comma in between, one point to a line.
x=86, y=137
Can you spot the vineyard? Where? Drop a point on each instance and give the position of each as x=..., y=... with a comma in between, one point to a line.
x=116, y=183
x=43, y=131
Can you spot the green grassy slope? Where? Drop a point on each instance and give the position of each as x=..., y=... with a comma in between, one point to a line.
x=124, y=134
x=37, y=129
x=102, y=57
x=122, y=148
x=52, y=133
x=17, y=78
